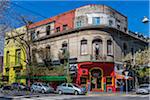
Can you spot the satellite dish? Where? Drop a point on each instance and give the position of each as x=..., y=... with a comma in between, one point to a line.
x=145, y=20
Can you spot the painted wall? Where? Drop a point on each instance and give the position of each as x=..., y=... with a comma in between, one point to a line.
x=12, y=46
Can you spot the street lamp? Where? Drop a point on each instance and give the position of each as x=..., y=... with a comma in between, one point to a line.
x=126, y=77
x=145, y=20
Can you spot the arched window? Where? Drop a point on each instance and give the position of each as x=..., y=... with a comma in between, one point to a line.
x=48, y=52
x=84, y=49
x=97, y=48
x=109, y=47
x=125, y=49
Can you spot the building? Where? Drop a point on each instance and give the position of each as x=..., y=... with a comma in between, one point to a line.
x=14, y=56
x=97, y=39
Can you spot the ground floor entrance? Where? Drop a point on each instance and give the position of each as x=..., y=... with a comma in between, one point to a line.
x=96, y=76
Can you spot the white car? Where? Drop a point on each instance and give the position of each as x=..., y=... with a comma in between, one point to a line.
x=70, y=88
x=41, y=87
x=143, y=89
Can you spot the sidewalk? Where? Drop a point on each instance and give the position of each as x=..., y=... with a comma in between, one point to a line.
x=109, y=94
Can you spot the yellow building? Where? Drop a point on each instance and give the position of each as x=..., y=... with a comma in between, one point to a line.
x=14, y=56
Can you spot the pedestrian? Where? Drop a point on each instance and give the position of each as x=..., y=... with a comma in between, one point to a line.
x=121, y=86
x=89, y=86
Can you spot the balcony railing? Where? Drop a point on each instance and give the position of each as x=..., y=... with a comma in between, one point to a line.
x=98, y=57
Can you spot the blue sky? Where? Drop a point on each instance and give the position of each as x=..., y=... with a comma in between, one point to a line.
x=134, y=10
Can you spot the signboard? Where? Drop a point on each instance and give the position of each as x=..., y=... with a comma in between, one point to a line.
x=73, y=68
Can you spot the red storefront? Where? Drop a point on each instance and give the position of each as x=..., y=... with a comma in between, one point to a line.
x=100, y=76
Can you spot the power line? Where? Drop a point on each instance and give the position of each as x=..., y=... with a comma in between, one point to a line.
x=36, y=13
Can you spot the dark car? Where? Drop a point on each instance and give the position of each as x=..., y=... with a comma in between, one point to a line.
x=18, y=86
x=6, y=88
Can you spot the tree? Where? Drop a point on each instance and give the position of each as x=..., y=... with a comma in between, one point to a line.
x=64, y=60
x=137, y=63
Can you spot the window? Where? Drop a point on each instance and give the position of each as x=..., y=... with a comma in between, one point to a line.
x=33, y=35
x=118, y=26
x=108, y=80
x=110, y=22
x=132, y=51
x=48, y=52
x=78, y=24
x=125, y=29
x=48, y=30
x=124, y=49
x=83, y=80
x=18, y=56
x=58, y=29
x=7, y=58
x=64, y=46
x=96, y=20
x=37, y=33
x=84, y=47
x=65, y=27
x=97, y=48
x=109, y=47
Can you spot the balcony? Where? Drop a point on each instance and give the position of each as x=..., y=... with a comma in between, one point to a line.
x=102, y=58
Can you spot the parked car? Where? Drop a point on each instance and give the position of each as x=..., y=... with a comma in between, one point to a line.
x=18, y=86
x=70, y=88
x=5, y=88
x=41, y=87
x=143, y=89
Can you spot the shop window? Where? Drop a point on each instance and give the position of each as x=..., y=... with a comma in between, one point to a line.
x=58, y=29
x=109, y=47
x=65, y=27
x=108, y=80
x=96, y=20
x=84, y=48
x=18, y=56
x=7, y=58
x=83, y=80
x=48, y=30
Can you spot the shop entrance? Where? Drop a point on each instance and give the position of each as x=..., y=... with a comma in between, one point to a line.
x=96, y=79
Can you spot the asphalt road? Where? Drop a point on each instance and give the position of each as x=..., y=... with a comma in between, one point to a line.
x=74, y=97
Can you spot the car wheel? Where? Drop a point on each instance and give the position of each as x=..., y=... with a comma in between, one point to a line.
x=76, y=92
x=43, y=91
x=60, y=92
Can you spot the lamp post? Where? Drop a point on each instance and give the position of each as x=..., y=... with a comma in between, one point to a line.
x=126, y=77
x=145, y=19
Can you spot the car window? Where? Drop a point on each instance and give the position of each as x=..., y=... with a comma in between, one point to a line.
x=35, y=84
x=69, y=85
x=143, y=86
x=76, y=85
x=39, y=85
x=64, y=84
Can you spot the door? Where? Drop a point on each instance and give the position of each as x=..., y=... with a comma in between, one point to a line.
x=96, y=79
x=70, y=88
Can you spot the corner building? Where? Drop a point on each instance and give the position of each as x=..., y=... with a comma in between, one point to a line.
x=97, y=39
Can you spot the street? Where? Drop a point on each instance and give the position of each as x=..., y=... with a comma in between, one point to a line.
x=53, y=96
x=72, y=97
